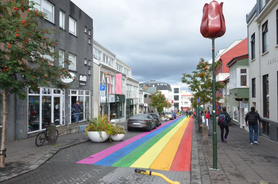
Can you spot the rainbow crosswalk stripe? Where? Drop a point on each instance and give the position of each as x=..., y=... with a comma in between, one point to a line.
x=166, y=148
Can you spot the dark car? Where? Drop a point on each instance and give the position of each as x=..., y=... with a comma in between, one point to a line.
x=141, y=121
x=157, y=119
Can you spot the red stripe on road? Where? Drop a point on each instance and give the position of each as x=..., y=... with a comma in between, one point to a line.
x=182, y=160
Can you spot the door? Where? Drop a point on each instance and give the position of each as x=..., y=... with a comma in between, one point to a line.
x=57, y=111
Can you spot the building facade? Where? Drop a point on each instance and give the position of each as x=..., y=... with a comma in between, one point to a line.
x=121, y=97
x=74, y=35
x=262, y=29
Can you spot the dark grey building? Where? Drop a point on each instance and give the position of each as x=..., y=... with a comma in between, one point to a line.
x=75, y=42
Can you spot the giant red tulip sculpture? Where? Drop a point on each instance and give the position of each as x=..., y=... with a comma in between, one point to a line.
x=213, y=26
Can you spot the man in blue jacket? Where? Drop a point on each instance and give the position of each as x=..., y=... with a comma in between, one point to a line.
x=76, y=110
x=251, y=120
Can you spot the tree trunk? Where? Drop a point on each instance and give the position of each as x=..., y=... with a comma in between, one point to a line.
x=4, y=123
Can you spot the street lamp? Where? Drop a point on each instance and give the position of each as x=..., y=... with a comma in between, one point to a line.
x=213, y=26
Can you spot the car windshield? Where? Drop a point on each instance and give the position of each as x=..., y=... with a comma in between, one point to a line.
x=139, y=116
x=153, y=115
x=167, y=112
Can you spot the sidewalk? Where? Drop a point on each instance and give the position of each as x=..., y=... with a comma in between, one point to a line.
x=24, y=156
x=238, y=161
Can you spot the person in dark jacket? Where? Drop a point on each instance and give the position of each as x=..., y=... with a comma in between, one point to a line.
x=252, y=118
x=224, y=126
x=76, y=110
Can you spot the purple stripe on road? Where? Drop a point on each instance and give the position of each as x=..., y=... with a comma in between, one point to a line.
x=100, y=155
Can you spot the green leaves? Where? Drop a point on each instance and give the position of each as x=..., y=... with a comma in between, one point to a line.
x=28, y=53
x=159, y=101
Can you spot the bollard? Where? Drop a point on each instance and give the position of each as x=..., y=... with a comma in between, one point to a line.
x=52, y=133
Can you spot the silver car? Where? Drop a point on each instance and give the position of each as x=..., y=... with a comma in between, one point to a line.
x=169, y=114
x=141, y=121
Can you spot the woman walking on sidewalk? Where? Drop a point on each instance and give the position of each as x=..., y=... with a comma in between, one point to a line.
x=207, y=118
x=223, y=122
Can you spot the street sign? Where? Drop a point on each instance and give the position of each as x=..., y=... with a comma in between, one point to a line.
x=198, y=100
x=102, y=90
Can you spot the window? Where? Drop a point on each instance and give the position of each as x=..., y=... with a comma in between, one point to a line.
x=89, y=32
x=243, y=77
x=48, y=10
x=61, y=58
x=254, y=88
x=89, y=71
x=85, y=61
x=123, y=86
x=128, y=91
x=119, y=68
x=50, y=57
x=72, y=26
x=72, y=59
x=176, y=97
x=266, y=96
x=89, y=41
x=262, y=4
x=46, y=7
x=253, y=46
x=264, y=36
x=62, y=18
x=89, y=63
x=97, y=54
x=176, y=90
x=277, y=26
x=126, y=71
x=85, y=30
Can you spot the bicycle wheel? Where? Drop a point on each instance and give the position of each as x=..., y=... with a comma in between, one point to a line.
x=40, y=139
x=57, y=135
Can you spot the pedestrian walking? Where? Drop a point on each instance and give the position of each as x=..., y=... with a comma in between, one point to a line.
x=223, y=122
x=76, y=110
x=252, y=118
x=207, y=118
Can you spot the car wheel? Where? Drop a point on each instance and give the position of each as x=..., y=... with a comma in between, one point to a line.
x=155, y=126
x=129, y=129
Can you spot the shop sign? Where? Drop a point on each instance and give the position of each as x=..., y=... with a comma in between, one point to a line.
x=222, y=100
x=82, y=78
x=67, y=79
x=111, y=99
x=82, y=84
x=103, y=99
x=119, y=98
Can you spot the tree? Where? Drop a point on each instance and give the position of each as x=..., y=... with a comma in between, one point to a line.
x=26, y=55
x=159, y=101
x=200, y=82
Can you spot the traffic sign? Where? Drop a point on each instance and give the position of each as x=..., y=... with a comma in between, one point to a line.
x=198, y=100
x=102, y=90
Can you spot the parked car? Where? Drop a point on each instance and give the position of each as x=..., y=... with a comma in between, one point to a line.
x=157, y=119
x=169, y=114
x=141, y=121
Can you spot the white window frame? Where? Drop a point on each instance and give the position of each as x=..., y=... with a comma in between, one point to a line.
x=85, y=30
x=89, y=32
x=72, y=21
x=61, y=58
x=97, y=54
x=72, y=59
x=128, y=91
x=62, y=19
x=53, y=10
x=239, y=78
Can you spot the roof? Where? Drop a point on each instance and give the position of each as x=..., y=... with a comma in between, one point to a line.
x=230, y=63
x=159, y=85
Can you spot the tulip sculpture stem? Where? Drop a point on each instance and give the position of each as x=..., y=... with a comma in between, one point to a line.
x=213, y=110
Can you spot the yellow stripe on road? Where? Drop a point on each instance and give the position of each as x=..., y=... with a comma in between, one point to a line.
x=166, y=157
x=146, y=160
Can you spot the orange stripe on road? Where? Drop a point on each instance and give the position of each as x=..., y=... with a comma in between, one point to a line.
x=167, y=155
x=182, y=160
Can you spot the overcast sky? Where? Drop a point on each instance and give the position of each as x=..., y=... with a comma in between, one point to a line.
x=161, y=39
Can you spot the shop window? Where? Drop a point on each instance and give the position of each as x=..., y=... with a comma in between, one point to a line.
x=34, y=113
x=265, y=127
x=265, y=37
x=266, y=96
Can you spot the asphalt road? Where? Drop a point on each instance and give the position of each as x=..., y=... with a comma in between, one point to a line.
x=62, y=168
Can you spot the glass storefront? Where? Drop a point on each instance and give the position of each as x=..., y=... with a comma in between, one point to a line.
x=116, y=110
x=84, y=100
x=44, y=107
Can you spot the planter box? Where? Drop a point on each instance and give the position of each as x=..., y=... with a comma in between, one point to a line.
x=117, y=137
x=95, y=136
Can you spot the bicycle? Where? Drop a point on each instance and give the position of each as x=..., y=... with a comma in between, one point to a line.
x=42, y=136
x=147, y=172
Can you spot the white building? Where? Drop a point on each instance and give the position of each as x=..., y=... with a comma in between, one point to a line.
x=262, y=27
x=121, y=96
x=185, y=100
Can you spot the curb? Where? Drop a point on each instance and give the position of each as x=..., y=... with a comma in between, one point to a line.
x=41, y=160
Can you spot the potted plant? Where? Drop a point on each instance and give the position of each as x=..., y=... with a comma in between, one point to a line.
x=117, y=133
x=98, y=129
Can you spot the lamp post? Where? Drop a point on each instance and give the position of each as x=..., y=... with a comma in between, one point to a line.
x=213, y=26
